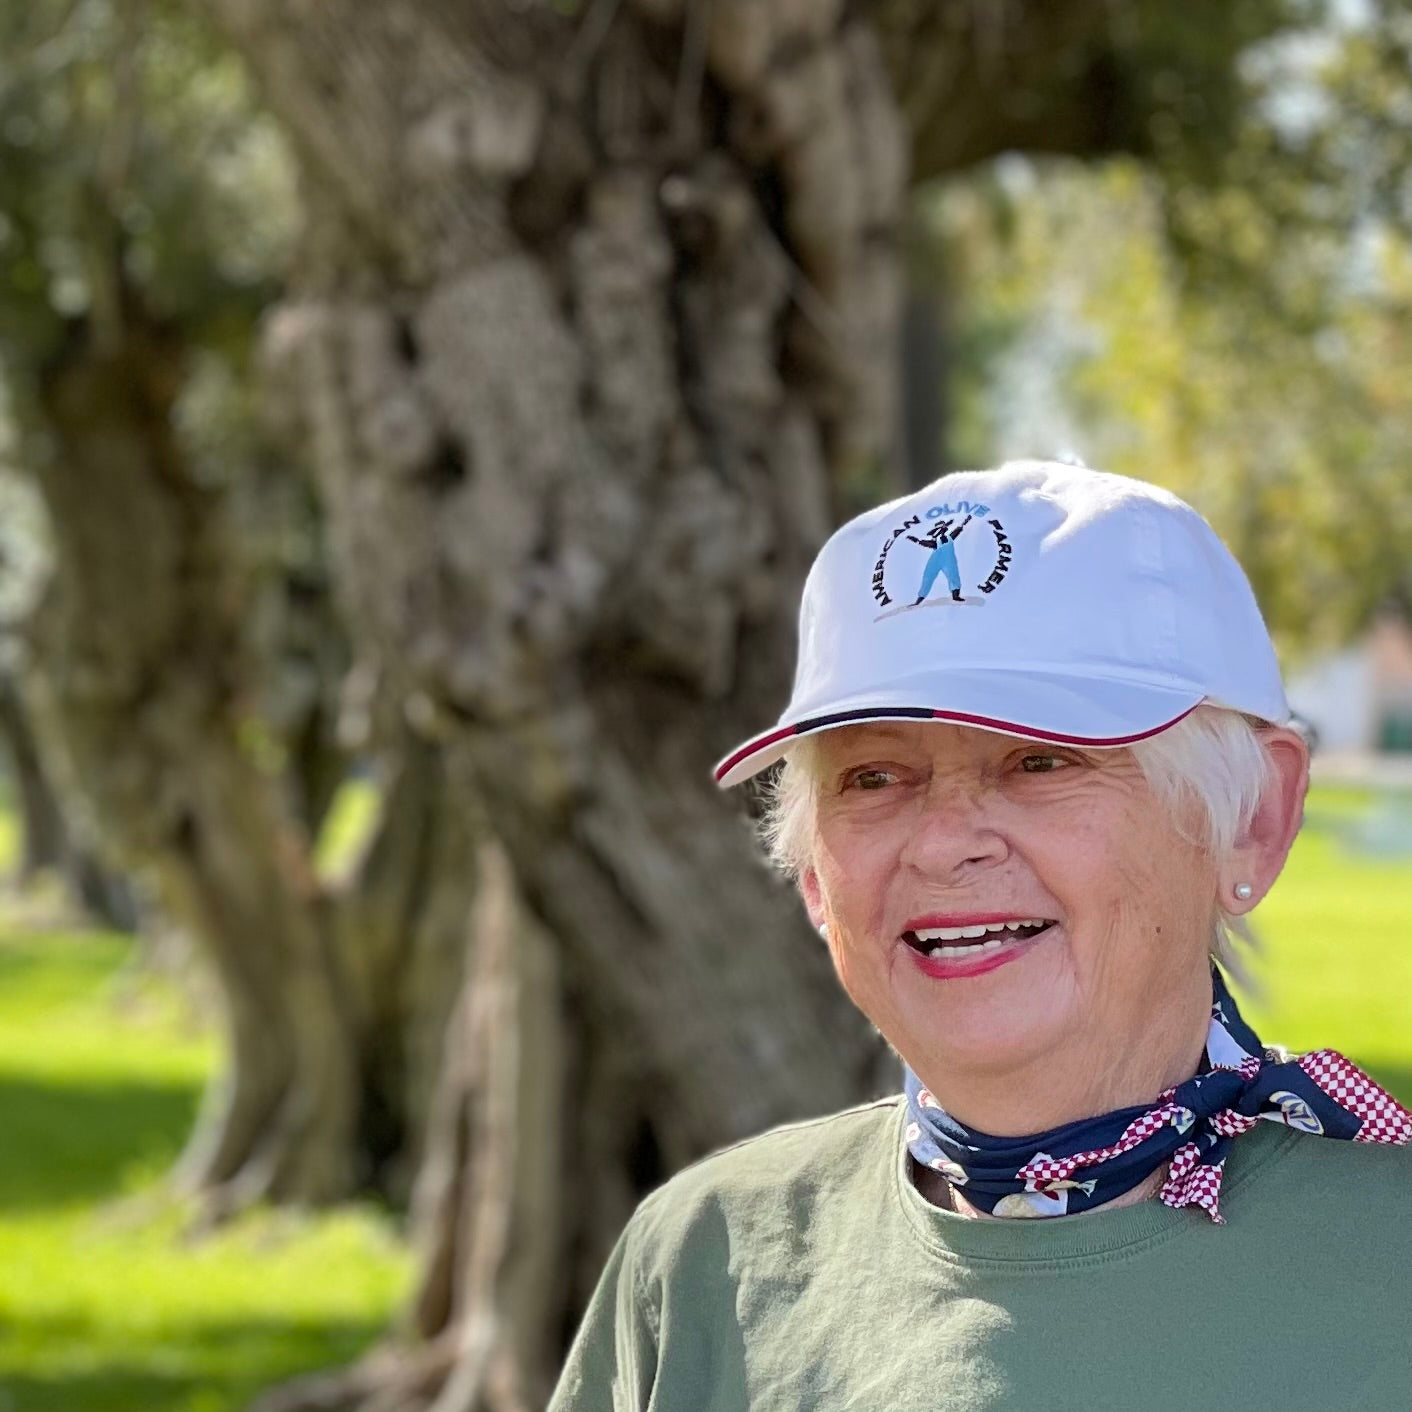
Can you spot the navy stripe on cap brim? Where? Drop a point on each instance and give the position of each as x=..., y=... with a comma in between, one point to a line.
x=1165, y=706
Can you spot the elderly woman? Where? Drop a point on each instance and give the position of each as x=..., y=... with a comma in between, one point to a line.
x=1027, y=814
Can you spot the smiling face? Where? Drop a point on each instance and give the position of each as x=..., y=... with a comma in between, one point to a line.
x=1027, y=924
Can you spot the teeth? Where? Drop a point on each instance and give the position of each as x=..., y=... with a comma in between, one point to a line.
x=941, y=952
x=945, y=934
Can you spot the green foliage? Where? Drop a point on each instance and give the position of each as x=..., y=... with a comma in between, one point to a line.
x=1080, y=330
x=139, y=174
x=133, y=152
x=1181, y=69
x=108, y=1304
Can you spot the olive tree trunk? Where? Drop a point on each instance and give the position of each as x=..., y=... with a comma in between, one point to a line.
x=333, y=999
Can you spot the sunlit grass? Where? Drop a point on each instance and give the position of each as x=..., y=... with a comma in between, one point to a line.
x=106, y=1303
x=1336, y=964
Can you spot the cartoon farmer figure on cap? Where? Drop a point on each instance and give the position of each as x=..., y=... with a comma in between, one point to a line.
x=942, y=558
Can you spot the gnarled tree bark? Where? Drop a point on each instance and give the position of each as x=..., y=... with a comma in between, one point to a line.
x=333, y=999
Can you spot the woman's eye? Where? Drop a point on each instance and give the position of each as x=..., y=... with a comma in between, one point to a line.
x=1042, y=764
x=868, y=779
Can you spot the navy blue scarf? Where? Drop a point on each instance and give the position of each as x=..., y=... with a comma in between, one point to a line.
x=1085, y=1164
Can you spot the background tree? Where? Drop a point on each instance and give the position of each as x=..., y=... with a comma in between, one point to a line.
x=186, y=664
x=52, y=840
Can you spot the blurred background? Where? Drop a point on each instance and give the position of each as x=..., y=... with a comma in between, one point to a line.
x=415, y=423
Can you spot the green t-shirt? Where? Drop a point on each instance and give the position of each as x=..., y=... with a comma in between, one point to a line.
x=802, y=1269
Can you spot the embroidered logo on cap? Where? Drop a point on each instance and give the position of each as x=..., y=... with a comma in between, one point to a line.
x=905, y=577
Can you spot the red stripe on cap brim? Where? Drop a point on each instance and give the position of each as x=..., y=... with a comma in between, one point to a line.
x=923, y=713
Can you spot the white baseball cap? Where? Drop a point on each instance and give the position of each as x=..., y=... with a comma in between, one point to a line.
x=1039, y=599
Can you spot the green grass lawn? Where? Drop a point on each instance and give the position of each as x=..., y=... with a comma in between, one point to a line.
x=106, y=1303
x=107, y=1306
x=1335, y=965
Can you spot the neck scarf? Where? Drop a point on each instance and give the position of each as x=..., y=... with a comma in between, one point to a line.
x=1085, y=1164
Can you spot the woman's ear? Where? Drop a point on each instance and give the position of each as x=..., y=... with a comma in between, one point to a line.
x=813, y=897
x=1263, y=846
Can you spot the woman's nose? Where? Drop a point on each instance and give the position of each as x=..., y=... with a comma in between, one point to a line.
x=953, y=832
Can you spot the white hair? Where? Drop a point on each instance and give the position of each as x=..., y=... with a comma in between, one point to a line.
x=1211, y=766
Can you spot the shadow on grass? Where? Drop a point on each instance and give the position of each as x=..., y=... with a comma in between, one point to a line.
x=212, y=1367
x=73, y=1142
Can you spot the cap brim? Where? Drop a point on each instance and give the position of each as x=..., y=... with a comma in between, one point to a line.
x=1053, y=707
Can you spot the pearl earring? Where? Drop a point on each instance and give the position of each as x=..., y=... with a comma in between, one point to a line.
x=824, y=930
x=1243, y=891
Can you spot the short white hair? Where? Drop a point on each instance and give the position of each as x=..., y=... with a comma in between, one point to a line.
x=1212, y=759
